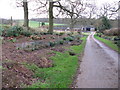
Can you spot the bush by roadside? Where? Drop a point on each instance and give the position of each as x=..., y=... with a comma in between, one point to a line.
x=112, y=32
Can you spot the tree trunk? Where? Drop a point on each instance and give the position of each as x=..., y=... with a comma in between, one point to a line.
x=26, y=20
x=71, y=24
x=50, y=17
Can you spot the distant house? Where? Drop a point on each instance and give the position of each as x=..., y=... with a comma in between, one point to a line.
x=67, y=29
x=88, y=28
x=74, y=29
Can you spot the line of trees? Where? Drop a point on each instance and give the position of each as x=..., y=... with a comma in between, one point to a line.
x=73, y=9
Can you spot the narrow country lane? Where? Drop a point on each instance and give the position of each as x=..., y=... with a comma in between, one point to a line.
x=99, y=67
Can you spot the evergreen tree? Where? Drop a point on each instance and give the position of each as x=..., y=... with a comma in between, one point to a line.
x=105, y=24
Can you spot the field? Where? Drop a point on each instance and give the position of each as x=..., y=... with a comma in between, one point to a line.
x=3, y=25
x=35, y=24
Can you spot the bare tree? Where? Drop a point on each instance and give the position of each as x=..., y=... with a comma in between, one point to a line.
x=90, y=12
x=72, y=10
x=108, y=10
x=76, y=8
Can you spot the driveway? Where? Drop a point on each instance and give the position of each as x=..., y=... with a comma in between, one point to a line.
x=99, y=67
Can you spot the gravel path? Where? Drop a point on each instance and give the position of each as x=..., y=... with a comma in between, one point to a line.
x=99, y=67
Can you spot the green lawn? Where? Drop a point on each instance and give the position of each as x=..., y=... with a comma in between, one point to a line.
x=86, y=33
x=61, y=75
x=4, y=25
x=35, y=24
x=108, y=43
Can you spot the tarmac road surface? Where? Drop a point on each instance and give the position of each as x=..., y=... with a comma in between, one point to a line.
x=99, y=66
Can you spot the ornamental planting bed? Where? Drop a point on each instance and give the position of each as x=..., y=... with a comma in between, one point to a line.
x=20, y=50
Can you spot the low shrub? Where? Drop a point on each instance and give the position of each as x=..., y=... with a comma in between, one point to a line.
x=52, y=37
x=79, y=32
x=115, y=42
x=118, y=43
x=45, y=33
x=116, y=38
x=65, y=38
x=52, y=44
x=57, y=34
x=26, y=33
x=61, y=42
x=36, y=33
x=69, y=34
x=14, y=31
x=68, y=38
x=99, y=34
x=1, y=31
x=72, y=53
x=62, y=33
x=13, y=40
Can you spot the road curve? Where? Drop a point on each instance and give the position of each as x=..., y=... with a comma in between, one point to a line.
x=99, y=66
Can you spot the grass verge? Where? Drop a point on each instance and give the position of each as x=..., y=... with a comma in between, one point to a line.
x=80, y=48
x=61, y=75
x=108, y=43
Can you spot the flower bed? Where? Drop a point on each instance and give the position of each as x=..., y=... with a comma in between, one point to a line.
x=35, y=45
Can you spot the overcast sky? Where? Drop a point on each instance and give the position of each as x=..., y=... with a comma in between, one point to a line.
x=8, y=8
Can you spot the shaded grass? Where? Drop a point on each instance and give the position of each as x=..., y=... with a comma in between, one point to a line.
x=61, y=75
x=108, y=43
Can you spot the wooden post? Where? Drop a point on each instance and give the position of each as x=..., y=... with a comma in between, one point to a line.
x=11, y=21
x=39, y=24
